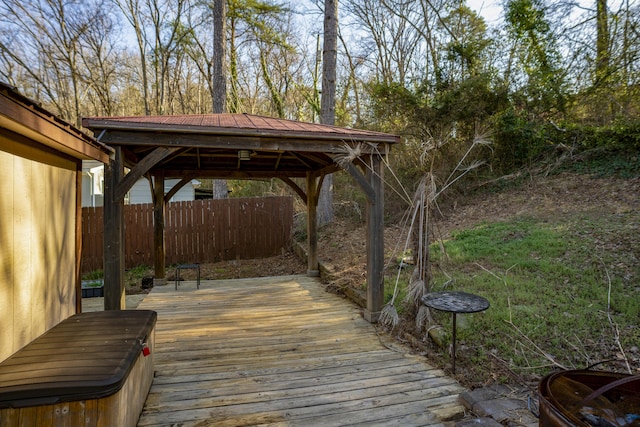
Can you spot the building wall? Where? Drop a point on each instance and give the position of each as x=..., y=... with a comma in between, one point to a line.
x=92, y=183
x=37, y=242
x=141, y=192
x=92, y=188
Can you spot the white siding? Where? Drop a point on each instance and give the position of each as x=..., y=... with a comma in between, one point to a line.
x=92, y=183
x=93, y=175
x=141, y=192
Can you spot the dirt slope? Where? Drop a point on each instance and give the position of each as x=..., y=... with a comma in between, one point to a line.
x=546, y=198
x=342, y=244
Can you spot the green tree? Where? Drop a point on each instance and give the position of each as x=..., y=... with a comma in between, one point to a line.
x=255, y=24
x=466, y=49
x=535, y=73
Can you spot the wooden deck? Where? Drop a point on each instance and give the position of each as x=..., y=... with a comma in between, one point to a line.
x=281, y=351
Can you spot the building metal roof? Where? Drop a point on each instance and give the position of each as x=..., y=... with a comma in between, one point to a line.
x=20, y=115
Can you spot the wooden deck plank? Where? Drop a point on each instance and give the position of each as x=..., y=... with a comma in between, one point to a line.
x=334, y=366
x=209, y=397
x=291, y=373
x=282, y=351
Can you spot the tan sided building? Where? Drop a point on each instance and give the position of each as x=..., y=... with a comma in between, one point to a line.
x=40, y=218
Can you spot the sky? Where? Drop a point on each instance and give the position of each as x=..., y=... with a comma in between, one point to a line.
x=491, y=10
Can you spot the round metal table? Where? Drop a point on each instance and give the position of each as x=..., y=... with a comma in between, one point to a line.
x=455, y=302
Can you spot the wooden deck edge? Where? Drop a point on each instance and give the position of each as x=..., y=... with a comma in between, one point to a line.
x=328, y=274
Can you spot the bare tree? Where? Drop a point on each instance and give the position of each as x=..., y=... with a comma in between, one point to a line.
x=48, y=37
x=160, y=35
x=169, y=35
x=132, y=11
x=101, y=60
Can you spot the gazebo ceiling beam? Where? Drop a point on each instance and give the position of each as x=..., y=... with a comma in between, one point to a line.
x=138, y=171
x=295, y=187
x=232, y=142
x=302, y=160
x=250, y=171
x=175, y=155
x=275, y=168
x=277, y=156
x=132, y=157
x=234, y=174
x=317, y=159
x=361, y=180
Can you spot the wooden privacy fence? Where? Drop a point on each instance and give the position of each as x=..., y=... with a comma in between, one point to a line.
x=196, y=231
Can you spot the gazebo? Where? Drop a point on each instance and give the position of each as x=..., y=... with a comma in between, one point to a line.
x=237, y=146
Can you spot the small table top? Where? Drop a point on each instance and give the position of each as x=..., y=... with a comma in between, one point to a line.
x=455, y=301
x=183, y=266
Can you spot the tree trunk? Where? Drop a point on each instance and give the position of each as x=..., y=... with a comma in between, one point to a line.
x=328, y=99
x=219, y=189
x=234, y=106
x=329, y=59
x=132, y=13
x=219, y=56
x=219, y=74
x=602, y=42
x=276, y=99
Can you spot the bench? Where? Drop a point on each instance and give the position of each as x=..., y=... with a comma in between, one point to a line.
x=92, y=369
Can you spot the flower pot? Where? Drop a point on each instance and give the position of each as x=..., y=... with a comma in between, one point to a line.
x=92, y=288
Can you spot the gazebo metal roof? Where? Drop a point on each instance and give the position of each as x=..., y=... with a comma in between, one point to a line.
x=209, y=145
x=245, y=124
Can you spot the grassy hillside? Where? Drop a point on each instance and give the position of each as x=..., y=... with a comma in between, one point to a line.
x=558, y=257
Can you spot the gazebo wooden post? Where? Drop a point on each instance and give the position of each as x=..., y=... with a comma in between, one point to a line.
x=375, y=241
x=78, y=275
x=114, y=291
x=158, y=228
x=312, y=225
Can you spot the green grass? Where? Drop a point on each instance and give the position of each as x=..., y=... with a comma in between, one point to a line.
x=389, y=288
x=93, y=275
x=556, y=290
x=139, y=271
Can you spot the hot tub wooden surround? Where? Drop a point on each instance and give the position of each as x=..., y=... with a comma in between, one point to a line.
x=92, y=369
